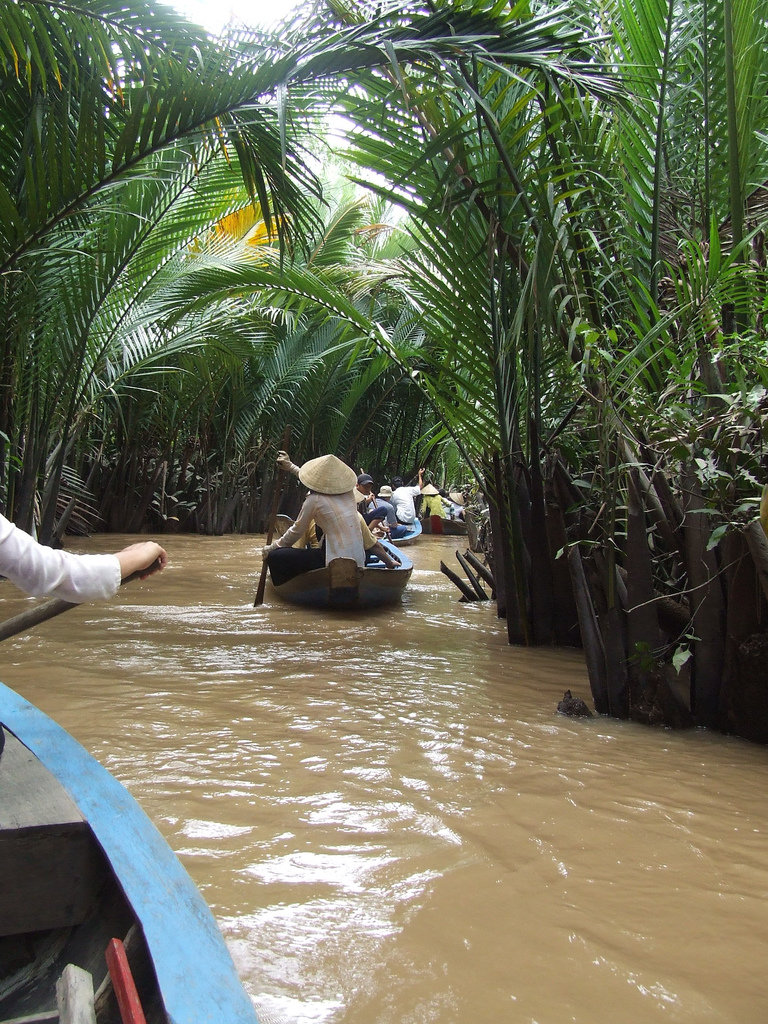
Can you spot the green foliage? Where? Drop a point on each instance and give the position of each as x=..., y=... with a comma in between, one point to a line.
x=540, y=262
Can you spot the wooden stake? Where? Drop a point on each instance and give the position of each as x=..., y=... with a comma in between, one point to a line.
x=594, y=651
x=481, y=594
x=459, y=582
x=482, y=570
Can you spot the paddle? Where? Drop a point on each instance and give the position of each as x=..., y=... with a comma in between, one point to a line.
x=259, y=598
x=48, y=609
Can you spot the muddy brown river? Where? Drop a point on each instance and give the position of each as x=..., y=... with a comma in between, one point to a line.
x=389, y=820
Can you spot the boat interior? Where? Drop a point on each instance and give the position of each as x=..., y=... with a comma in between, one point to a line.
x=60, y=905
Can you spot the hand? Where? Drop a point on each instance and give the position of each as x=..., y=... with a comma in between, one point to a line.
x=145, y=557
x=284, y=462
x=268, y=549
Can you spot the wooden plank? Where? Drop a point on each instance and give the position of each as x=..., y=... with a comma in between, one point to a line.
x=29, y=794
x=46, y=848
x=74, y=996
x=102, y=992
x=57, y=872
x=123, y=983
x=344, y=574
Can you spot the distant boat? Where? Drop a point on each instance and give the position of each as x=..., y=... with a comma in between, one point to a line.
x=445, y=527
x=414, y=531
x=83, y=865
x=344, y=584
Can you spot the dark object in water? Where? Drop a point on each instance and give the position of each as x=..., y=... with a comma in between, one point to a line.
x=573, y=706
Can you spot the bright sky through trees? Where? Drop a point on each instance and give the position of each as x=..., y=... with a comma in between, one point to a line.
x=214, y=15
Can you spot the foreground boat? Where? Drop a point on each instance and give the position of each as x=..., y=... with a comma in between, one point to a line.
x=444, y=527
x=414, y=531
x=343, y=584
x=81, y=865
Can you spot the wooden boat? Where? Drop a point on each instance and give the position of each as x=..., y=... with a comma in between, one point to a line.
x=82, y=865
x=414, y=531
x=344, y=584
x=444, y=527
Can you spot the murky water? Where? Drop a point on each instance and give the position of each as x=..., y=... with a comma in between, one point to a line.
x=390, y=821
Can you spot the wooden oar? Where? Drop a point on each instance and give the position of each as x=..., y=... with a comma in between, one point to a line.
x=258, y=599
x=49, y=609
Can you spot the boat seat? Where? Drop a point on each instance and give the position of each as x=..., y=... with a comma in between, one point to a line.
x=46, y=847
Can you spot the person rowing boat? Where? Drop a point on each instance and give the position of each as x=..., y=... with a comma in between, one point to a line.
x=331, y=504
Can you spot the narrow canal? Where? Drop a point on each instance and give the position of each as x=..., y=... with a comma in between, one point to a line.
x=389, y=820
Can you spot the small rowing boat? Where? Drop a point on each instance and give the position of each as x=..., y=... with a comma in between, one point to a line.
x=98, y=919
x=414, y=531
x=444, y=527
x=344, y=584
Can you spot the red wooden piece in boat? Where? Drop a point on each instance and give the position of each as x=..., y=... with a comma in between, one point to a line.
x=123, y=983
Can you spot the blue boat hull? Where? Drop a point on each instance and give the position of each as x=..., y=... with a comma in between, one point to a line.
x=195, y=975
x=414, y=532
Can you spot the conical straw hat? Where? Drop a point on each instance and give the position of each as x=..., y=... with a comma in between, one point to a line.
x=328, y=475
x=429, y=489
x=457, y=497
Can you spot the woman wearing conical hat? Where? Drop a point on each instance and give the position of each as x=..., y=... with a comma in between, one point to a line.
x=331, y=504
x=432, y=503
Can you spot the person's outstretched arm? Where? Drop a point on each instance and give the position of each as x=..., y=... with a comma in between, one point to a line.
x=43, y=571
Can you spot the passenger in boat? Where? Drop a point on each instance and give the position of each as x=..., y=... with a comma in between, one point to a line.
x=376, y=521
x=374, y=507
x=456, y=505
x=331, y=504
x=431, y=504
x=43, y=571
x=402, y=499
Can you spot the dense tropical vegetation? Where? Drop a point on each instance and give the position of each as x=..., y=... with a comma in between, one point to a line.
x=537, y=257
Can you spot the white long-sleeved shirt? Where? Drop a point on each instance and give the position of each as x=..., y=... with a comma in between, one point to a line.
x=43, y=571
x=336, y=515
x=402, y=499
